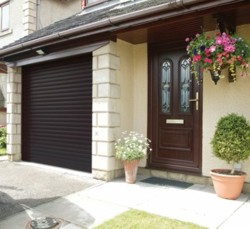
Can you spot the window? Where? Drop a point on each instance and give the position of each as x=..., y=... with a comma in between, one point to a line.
x=5, y=16
x=90, y=2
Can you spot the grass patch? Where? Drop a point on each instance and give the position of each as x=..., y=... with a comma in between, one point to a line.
x=3, y=151
x=135, y=219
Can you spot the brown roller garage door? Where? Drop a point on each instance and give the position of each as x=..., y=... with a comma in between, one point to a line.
x=57, y=113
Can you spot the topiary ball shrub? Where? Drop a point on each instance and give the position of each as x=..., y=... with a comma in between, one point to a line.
x=231, y=140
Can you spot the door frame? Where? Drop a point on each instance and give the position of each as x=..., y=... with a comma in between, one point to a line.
x=152, y=48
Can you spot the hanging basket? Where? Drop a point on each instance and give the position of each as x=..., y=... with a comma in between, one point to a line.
x=215, y=75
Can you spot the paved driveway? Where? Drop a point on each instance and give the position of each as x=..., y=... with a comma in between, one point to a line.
x=25, y=185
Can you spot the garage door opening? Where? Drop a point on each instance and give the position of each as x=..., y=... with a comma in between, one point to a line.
x=57, y=113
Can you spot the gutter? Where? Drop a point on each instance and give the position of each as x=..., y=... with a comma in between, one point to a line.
x=120, y=22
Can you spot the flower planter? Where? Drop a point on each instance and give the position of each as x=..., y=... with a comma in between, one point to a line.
x=215, y=75
x=130, y=149
x=218, y=52
x=130, y=168
x=227, y=186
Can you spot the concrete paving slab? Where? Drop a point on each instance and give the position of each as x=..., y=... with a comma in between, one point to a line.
x=198, y=204
x=78, y=210
x=32, y=185
x=71, y=226
x=102, y=201
x=239, y=218
x=123, y=194
x=100, y=209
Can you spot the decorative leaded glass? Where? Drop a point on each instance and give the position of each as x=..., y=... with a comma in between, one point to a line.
x=166, y=85
x=185, y=85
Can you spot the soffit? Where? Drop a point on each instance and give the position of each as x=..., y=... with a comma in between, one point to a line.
x=178, y=28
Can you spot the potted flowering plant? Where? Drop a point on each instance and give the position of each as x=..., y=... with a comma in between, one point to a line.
x=214, y=53
x=131, y=148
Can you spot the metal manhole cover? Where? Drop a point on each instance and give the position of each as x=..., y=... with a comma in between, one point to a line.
x=44, y=223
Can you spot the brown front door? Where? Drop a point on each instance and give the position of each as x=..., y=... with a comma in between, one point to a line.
x=175, y=112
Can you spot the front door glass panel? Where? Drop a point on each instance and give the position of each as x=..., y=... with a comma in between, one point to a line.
x=185, y=85
x=166, y=86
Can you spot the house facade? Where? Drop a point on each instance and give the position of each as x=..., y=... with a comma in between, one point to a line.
x=75, y=85
x=23, y=17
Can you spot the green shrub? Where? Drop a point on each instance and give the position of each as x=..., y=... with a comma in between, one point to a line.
x=231, y=140
x=3, y=135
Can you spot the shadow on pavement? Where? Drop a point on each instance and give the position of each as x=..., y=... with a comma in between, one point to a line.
x=10, y=206
x=32, y=209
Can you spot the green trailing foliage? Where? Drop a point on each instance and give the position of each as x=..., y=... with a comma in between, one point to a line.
x=231, y=140
x=3, y=135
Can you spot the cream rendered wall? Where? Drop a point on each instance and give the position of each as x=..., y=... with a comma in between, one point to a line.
x=219, y=100
x=132, y=78
x=140, y=88
x=55, y=10
x=125, y=77
x=16, y=24
x=49, y=12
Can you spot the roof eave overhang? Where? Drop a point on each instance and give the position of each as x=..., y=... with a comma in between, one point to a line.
x=116, y=23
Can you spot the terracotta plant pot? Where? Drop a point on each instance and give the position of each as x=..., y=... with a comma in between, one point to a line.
x=130, y=168
x=227, y=186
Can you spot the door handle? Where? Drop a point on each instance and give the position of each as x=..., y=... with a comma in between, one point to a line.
x=196, y=100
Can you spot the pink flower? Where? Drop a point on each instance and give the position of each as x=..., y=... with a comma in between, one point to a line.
x=239, y=58
x=212, y=48
x=187, y=39
x=244, y=74
x=197, y=58
x=245, y=65
x=197, y=35
x=220, y=60
x=208, y=54
x=234, y=40
x=229, y=48
x=207, y=60
x=218, y=40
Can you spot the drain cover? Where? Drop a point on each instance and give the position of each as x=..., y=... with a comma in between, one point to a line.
x=44, y=223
